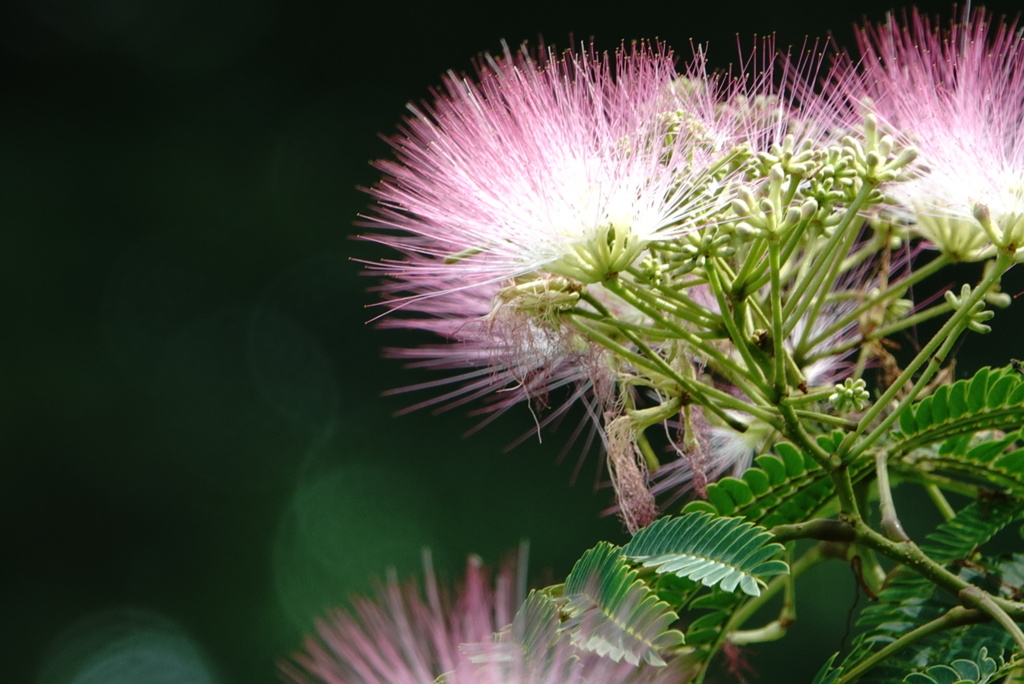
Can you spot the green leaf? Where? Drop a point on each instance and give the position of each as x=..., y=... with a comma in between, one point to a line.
x=987, y=463
x=779, y=490
x=909, y=600
x=923, y=412
x=989, y=450
x=830, y=443
x=730, y=552
x=738, y=490
x=757, y=480
x=940, y=404
x=707, y=622
x=792, y=458
x=827, y=675
x=958, y=399
x=937, y=674
x=1001, y=390
x=525, y=647
x=908, y=426
x=717, y=600
x=976, y=391
x=699, y=506
x=1017, y=397
x=535, y=626
x=773, y=467
x=991, y=400
x=980, y=670
x=720, y=499
x=615, y=614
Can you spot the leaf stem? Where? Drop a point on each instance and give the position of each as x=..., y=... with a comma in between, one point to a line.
x=890, y=521
x=958, y=616
x=893, y=291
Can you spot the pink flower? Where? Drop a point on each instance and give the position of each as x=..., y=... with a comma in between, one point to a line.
x=402, y=636
x=957, y=94
x=557, y=164
x=509, y=194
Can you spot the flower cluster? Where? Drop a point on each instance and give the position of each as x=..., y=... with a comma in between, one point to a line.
x=592, y=225
x=715, y=266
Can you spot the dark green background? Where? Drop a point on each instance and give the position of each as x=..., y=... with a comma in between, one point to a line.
x=196, y=456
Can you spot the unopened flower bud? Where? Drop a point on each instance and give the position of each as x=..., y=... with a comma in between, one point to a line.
x=851, y=395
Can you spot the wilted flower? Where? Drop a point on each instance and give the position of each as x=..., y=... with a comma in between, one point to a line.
x=957, y=95
x=405, y=637
x=498, y=353
x=707, y=452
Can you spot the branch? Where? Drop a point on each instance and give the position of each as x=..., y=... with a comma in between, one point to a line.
x=822, y=529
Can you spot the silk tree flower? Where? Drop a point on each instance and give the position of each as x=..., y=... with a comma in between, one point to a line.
x=405, y=636
x=511, y=192
x=558, y=164
x=402, y=637
x=957, y=95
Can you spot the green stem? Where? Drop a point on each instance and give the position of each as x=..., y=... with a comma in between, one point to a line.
x=814, y=278
x=647, y=331
x=939, y=499
x=778, y=333
x=822, y=529
x=792, y=244
x=810, y=309
x=911, y=320
x=813, y=396
x=672, y=301
x=712, y=399
x=753, y=370
x=974, y=597
x=890, y=521
x=813, y=557
x=933, y=354
x=754, y=253
x=723, y=363
x=957, y=616
x=825, y=418
x=776, y=629
x=878, y=333
x=913, y=473
x=891, y=292
x=909, y=554
x=796, y=432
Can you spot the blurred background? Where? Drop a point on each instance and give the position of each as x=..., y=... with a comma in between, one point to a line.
x=196, y=459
